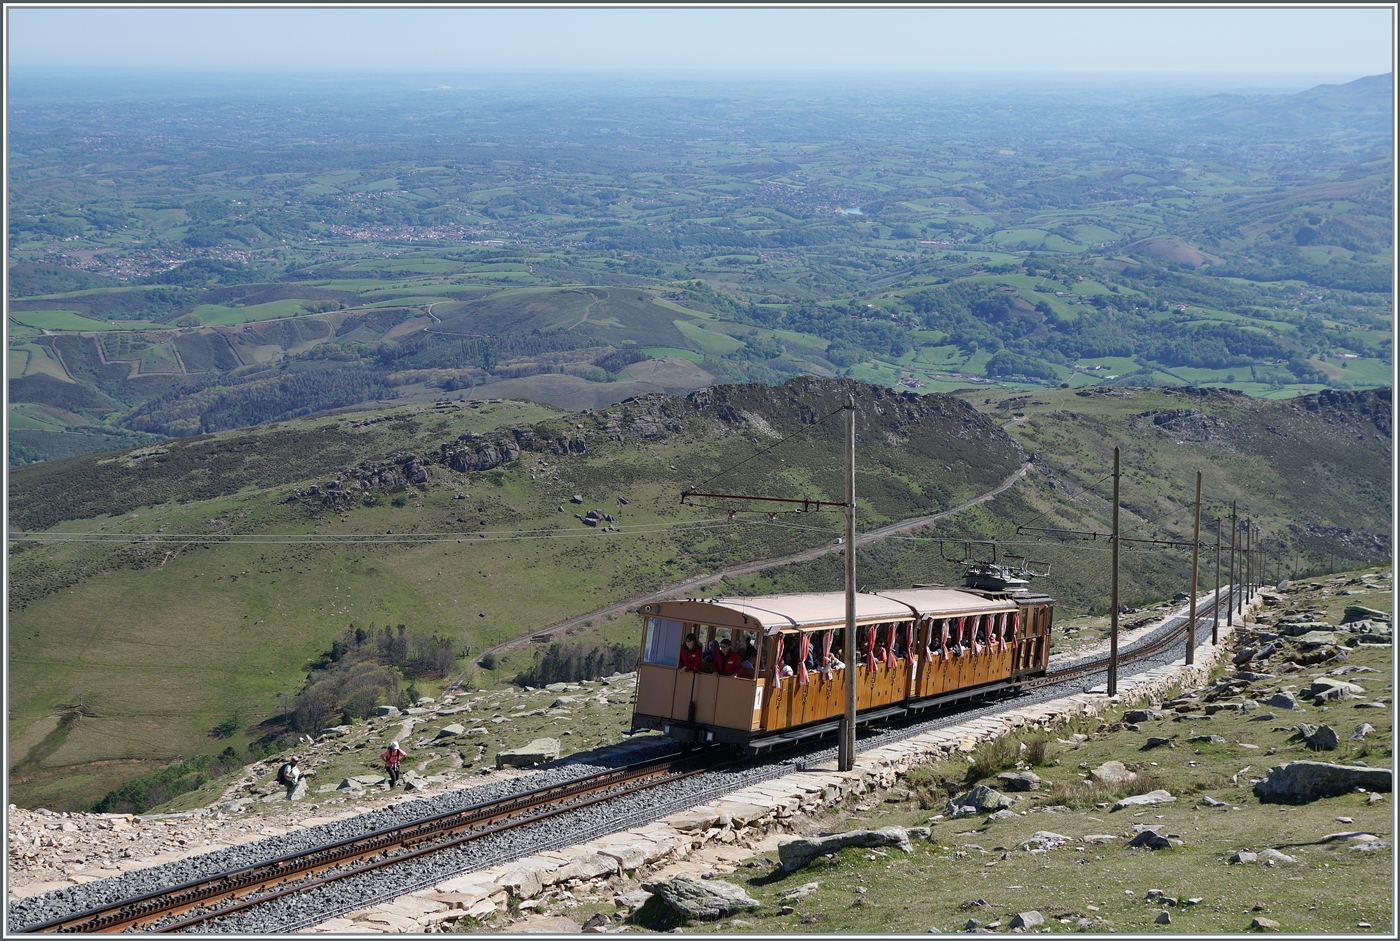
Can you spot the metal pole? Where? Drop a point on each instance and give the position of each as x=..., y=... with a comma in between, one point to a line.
x=1248, y=578
x=846, y=757
x=1113, y=622
x=1215, y=609
x=1195, y=567
x=1230, y=607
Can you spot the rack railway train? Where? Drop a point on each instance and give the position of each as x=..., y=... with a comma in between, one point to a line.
x=917, y=648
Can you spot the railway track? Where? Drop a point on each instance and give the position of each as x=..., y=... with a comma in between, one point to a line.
x=198, y=902
x=194, y=903
x=1150, y=647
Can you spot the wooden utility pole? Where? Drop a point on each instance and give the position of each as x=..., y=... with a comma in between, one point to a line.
x=1215, y=609
x=1113, y=621
x=1195, y=568
x=846, y=751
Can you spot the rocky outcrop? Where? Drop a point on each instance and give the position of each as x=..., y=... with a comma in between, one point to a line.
x=1301, y=782
x=981, y=799
x=707, y=900
x=537, y=752
x=794, y=854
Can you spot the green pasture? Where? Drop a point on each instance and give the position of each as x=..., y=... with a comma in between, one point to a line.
x=711, y=342
x=659, y=351
x=215, y=315
x=72, y=320
x=17, y=419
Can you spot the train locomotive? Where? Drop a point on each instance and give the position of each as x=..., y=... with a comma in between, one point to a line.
x=779, y=678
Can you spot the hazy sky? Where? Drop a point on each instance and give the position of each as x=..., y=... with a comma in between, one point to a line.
x=1323, y=41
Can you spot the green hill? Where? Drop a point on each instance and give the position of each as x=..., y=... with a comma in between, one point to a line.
x=203, y=573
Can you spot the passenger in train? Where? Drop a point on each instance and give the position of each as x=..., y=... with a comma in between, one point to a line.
x=690, y=655
x=711, y=655
x=814, y=650
x=750, y=656
x=901, y=644
x=728, y=662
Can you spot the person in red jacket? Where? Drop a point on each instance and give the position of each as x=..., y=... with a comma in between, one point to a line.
x=728, y=661
x=392, y=757
x=690, y=655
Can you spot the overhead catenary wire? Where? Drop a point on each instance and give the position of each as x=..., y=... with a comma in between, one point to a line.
x=769, y=449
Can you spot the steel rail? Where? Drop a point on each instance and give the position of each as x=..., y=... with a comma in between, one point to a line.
x=245, y=886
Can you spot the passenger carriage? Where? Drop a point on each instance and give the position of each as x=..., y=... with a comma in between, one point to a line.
x=916, y=648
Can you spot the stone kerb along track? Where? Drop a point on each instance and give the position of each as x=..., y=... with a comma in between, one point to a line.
x=745, y=817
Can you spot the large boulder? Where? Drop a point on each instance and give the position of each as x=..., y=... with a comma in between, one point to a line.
x=981, y=799
x=1151, y=798
x=537, y=752
x=1019, y=780
x=1113, y=774
x=1329, y=689
x=1356, y=612
x=1282, y=700
x=706, y=900
x=1300, y=782
x=794, y=854
x=451, y=731
x=1318, y=737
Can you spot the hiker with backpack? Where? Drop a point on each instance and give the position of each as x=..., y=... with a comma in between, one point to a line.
x=392, y=757
x=289, y=776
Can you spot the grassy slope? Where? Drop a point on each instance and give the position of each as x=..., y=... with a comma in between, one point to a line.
x=1330, y=889
x=165, y=644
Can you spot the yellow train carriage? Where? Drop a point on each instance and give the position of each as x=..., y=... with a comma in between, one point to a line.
x=915, y=649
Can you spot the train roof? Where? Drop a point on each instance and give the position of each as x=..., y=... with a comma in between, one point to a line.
x=946, y=601
x=807, y=609
x=828, y=608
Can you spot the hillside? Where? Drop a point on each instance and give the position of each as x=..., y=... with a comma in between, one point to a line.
x=207, y=571
x=239, y=556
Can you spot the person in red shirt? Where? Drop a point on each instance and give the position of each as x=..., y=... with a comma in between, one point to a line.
x=392, y=757
x=729, y=662
x=690, y=655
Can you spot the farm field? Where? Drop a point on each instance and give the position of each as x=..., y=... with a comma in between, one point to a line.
x=926, y=242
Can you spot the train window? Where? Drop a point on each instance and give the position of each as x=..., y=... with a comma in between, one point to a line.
x=663, y=643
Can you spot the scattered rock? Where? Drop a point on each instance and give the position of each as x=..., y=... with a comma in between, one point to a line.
x=1163, y=918
x=1208, y=739
x=1019, y=780
x=1151, y=797
x=1151, y=839
x=981, y=799
x=1356, y=612
x=794, y=854
x=1113, y=774
x=537, y=752
x=1027, y=920
x=632, y=900
x=1282, y=700
x=1243, y=856
x=449, y=731
x=709, y=900
x=1212, y=802
x=1305, y=781
x=599, y=920
x=1277, y=857
x=1319, y=738
x=1155, y=742
x=1142, y=715
x=799, y=893
x=1263, y=924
